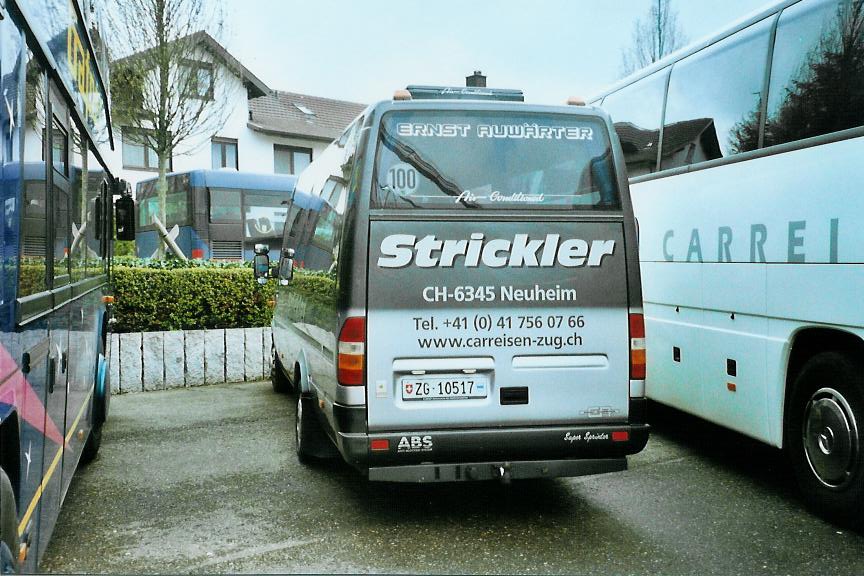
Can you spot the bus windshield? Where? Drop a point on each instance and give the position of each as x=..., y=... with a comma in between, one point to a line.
x=493, y=160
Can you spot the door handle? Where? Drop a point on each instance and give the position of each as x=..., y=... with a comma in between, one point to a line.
x=64, y=362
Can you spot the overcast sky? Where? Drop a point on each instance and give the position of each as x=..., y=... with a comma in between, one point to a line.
x=364, y=50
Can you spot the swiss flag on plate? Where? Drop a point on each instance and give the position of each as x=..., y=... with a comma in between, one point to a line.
x=409, y=388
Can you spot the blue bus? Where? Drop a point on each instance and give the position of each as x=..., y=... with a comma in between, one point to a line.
x=218, y=214
x=55, y=252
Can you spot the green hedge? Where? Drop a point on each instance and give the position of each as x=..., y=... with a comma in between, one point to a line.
x=203, y=297
x=175, y=263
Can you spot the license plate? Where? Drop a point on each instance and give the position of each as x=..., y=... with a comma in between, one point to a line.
x=445, y=387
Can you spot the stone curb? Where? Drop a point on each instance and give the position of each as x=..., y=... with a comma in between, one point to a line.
x=144, y=361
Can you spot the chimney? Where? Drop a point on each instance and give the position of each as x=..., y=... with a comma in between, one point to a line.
x=476, y=80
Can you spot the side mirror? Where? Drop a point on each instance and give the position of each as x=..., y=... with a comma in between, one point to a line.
x=125, y=212
x=121, y=187
x=261, y=266
x=286, y=267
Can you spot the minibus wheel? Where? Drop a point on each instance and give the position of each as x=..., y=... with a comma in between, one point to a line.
x=8, y=527
x=280, y=382
x=311, y=442
x=824, y=435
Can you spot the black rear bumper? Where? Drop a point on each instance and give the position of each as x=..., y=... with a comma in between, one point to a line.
x=537, y=451
x=492, y=444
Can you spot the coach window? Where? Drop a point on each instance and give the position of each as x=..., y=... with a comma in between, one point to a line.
x=712, y=110
x=264, y=216
x=637, y=112
x=95, y=177
x=225, y=205
x=60, y=190
x=60, y=148
x=78, y=213
x=32, y=276
x=11, y=58
x=814, y=89
x=294, y=229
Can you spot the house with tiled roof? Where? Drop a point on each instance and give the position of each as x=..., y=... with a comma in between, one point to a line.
x=264, y=130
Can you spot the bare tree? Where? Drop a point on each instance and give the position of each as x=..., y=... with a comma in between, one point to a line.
x=654, y=36
x=164, y=90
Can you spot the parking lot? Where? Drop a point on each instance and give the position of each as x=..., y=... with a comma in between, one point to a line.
x=206, y=480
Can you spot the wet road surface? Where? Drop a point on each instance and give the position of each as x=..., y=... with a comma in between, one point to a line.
x=206, y=480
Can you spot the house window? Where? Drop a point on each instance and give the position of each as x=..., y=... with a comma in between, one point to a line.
x=290, y=159
x=199, y=78
x=139, y=150
x=223, y=152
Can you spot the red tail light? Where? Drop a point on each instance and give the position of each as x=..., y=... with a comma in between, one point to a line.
x=620, y=436
x=637, y=347
x=379, y=444
x=352, y=352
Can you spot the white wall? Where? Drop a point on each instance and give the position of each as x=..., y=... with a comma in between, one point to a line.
x=254, y=149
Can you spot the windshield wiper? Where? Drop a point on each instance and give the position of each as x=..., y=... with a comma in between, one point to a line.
x=407, y=154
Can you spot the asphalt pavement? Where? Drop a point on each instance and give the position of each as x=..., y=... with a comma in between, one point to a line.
x=205, y=480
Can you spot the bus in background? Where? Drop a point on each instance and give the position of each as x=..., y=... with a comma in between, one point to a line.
x=218, y=214
x=745, y=154
x=56, y=247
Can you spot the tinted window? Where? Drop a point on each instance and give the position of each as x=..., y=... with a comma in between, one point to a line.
x=11, y=62
x=60, y=148
x=61, y=236
x=78, y=213
x=637, y=111
x=323, y=194
x=712, y=110
x=817, y=78
x=32, y=275
x=493, y=160
x=295, y=227
x=225, y=205
x=95, y=181
x=176, y=202
x=265, y=215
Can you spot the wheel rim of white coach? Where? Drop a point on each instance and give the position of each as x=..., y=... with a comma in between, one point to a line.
x=830, y=438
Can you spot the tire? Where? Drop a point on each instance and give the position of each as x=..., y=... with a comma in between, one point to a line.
x=91, y=447
x=99, y=412
x=311, y=442
x=9, y=543
x=824, y=436
x=281, y=383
